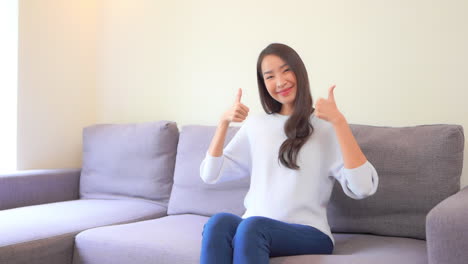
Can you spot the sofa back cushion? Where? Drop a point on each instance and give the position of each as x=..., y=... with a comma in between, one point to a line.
x=129, y=160
x=418, y=167
x=190, y=195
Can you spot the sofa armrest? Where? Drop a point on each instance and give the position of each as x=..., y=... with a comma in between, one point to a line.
x=447, y=230
x=31, y=187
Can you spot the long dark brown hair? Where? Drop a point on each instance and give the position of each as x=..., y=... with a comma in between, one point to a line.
x=297, y=128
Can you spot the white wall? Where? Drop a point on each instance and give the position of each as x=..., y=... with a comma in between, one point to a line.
x=395, y=63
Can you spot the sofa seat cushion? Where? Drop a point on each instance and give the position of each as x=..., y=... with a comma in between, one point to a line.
x=366, y=249
x=177, y=239
x=45, y=233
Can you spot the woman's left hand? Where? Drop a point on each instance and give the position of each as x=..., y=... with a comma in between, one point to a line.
x=326, y=108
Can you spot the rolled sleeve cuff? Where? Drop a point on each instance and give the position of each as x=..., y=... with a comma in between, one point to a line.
x=210, y=168
x=362, y=181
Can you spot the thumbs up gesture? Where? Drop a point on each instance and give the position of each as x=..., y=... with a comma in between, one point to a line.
x=237, y=112
x=326, y=109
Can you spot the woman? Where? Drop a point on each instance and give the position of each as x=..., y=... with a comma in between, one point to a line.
x=293, y=154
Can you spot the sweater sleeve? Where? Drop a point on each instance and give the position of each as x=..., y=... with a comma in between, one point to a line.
x=357, y=183
x=235, y=163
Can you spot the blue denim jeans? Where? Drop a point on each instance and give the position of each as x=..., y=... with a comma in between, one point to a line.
x=227, y=238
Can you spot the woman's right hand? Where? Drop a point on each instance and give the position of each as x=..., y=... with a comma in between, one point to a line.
x=237, y=112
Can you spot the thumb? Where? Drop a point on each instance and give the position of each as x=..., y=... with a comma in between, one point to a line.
x=239, y=95
x=331, y=95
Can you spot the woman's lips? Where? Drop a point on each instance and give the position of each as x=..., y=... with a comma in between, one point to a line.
x=286, y=91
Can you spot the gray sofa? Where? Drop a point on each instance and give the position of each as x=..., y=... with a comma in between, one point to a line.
x=138, y=198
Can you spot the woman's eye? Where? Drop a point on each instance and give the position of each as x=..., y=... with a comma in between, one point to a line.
x=269, y=77
x=287, y=70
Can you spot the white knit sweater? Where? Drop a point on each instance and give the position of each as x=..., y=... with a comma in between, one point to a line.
x=293, y=196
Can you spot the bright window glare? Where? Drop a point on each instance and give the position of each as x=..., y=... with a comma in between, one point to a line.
x=8, y=83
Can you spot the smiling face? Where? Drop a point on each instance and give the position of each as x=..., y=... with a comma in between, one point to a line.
x=280, y=82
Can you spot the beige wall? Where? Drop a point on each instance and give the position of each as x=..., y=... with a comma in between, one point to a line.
x=57, y=81
x=395, y=63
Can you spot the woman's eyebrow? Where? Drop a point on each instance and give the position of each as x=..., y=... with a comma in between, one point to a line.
x=272, y=71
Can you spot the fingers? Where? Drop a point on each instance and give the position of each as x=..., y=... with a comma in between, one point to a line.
x=244, y=107
x=331, y=95
x=318, y=107
x=241, y=110
x=239, y=96
x=319, y=102
x=238, y=103
x=238, y=118
x=238, y=115
x=318, y=114
x=238, y=111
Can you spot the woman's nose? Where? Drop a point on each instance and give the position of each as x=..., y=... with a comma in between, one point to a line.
x=280, y=81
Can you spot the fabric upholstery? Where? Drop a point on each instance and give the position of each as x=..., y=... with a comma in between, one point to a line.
x=189, y=193
x=132, y=160
x=409, y=161
x=31, y=187
x=447, y=230
x=44, y=234
x=177, y=239
x=418, y=167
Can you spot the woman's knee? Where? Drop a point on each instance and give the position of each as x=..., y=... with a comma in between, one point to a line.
x=251, y=235
x=253, y=223
x=253, y=226
x=223, y=222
